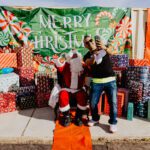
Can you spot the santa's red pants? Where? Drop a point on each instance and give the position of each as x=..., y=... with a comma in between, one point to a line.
x=64, y=99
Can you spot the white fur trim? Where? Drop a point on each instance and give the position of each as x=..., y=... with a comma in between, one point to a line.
x=63, y=109
x=74, y=80
x=54, y=96
x=81, y=107
x=58, y=63
x=69, y=90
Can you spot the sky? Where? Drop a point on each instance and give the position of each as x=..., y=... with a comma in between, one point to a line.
x=77, y=3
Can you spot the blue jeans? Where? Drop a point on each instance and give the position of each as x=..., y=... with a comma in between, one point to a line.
x=110, y=89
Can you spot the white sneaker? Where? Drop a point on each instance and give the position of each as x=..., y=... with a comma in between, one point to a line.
x=113, y=128
x=91, y=123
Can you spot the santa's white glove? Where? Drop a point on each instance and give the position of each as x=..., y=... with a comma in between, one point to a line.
x=58, y=61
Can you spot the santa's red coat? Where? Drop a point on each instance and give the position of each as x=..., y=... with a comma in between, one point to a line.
x=64, y=80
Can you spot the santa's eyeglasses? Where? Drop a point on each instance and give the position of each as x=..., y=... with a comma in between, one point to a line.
x=89, y=41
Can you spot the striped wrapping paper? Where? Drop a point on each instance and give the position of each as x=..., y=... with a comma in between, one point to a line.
x=7, y=102
x=135, y=90
x=24, y=57
x=138, y=62
x=8, y=60
x=26, y=76
x=8, y=81
x=121, y=60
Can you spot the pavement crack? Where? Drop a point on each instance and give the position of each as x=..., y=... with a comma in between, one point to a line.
x=28, y=123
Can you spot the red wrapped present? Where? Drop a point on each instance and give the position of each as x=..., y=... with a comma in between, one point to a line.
x=120, y=104
x=7, y=102
x=24, y=57
x=6, y=50
x=126, y=99
x=8, y=60
x=138, y=62
x=42, y=99
x=26, y=76
x=44, y=82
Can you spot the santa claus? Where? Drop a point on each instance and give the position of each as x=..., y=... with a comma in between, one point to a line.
x=71, y=78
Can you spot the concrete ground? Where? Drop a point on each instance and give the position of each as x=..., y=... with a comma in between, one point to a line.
x=33, y=129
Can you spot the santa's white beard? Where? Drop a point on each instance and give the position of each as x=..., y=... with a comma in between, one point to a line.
x=76, y=65
x=75, y=68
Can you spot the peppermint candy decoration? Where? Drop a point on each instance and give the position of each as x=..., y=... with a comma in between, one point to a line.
x=4, y=39
x=47, y=60
x=24, y=27
x=102, y=14
x=10, y=23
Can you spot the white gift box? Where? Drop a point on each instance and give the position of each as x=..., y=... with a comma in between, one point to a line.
x=8, y=81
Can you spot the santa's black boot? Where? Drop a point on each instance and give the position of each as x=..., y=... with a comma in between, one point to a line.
x=66, y=120
x=78, y=117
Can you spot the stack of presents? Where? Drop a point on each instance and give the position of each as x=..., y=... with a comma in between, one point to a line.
x=133, y=81
x=23, y=87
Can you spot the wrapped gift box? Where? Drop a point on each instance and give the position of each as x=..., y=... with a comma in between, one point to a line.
x=26, y=101
x=7, y=81
x=42, y=99
x=138, y=73
x=7, y=102
x=146, y=89
x=126, y=99
x=26, y=76
x=141, y=109
x=24, y=57
x=24, y=91
x=8, y=60
x=120, y=104
x=148, y=113
x=6, y=50
x=135, y=91
x=44, y=82
x=130, y=111
x=120, y=76
x=138, y=62
x=121, y=60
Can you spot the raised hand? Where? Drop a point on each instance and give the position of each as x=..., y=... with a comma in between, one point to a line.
x=100, y=44
x=55, y=56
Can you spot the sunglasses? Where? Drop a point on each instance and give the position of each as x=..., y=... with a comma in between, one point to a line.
x=91, y=40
